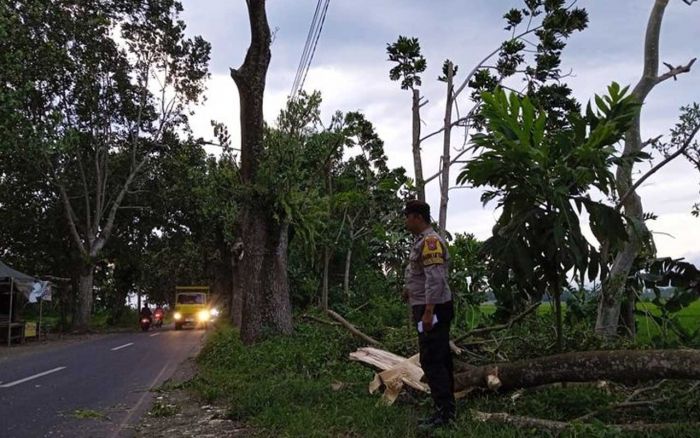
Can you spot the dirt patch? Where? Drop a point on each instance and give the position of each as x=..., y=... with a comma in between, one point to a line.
x=177, y=412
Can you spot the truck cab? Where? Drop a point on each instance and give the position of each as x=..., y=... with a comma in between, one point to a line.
x=191, y=306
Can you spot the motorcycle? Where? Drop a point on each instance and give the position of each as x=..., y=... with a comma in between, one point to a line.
x=158, y=317
x=145, y=324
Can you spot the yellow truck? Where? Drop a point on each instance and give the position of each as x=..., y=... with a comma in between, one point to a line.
x=191, y=306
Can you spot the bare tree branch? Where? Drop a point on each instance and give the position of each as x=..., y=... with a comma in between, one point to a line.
x=656, y=168
x=107, y=230
x=673, y=72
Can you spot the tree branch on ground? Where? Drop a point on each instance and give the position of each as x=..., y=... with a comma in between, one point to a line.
x=560, y=426
x=352, y=329
x=505, y=326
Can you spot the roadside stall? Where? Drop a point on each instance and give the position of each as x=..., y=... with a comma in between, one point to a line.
x=16, y=286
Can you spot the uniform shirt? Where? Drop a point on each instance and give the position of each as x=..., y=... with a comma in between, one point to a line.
x=426, y=274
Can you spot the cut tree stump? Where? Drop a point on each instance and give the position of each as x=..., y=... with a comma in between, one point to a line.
x=397, y=371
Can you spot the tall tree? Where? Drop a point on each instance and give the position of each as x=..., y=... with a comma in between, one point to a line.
x=551, y=22
x=613, y=292
x=410, y=63
x=264, y=238
x=86, y=89
x=449, y=70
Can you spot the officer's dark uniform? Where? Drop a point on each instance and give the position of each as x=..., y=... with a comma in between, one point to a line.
x=426, y=283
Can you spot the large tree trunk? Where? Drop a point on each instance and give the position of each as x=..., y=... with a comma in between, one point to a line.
x=447, y=143
x=614, y=286
x=263, y=266
x=417, y=162
x=266, y=306
x=626, y=366
x=81, y=319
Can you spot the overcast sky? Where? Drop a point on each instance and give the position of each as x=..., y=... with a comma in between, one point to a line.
x=351, y=71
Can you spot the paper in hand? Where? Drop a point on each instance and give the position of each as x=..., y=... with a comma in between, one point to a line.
x=420, y=323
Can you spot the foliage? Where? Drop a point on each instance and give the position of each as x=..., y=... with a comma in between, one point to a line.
x=332, y=183
x=540, y=175
x=552, y=23
x=676, y=286
x=82, y=116
x=410, y=63
x=683, y=140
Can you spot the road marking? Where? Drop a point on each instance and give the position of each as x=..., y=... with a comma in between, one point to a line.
x=35, y=376
x=143, y=397
x=122, y=346
x=155, y=334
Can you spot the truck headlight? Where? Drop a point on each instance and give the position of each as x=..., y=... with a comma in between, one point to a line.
x=214, y=312
x=177, y=316
x=203, y=315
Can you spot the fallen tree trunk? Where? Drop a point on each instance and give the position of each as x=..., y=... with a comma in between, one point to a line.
x=626, y=366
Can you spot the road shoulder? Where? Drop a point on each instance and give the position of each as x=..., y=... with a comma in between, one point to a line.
x=178, y=412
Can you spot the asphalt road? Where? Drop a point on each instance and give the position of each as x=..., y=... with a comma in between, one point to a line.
x=99, y=387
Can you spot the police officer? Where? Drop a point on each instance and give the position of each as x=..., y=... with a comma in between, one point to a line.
x=431, y=300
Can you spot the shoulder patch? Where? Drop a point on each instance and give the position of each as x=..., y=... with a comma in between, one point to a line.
x=432, y=251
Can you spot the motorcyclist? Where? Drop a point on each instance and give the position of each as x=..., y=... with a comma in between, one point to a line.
x=159, y=313
x=146, y=313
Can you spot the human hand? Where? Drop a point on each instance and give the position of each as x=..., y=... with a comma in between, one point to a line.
x=427, y=320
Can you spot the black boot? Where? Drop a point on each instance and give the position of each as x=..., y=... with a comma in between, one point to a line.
x=427, y=422
x=441, y=418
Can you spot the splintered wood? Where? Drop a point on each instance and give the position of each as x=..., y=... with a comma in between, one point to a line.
x=397, y=371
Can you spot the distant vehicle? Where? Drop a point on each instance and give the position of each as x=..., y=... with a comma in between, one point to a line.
x=145, y=324
x=191, y=306
x=158, y=316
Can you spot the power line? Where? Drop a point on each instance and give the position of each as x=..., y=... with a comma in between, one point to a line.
x=310, y=48
x=307, y=45
x=313, y=50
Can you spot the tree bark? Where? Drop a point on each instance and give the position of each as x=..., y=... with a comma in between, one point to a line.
x=447, y=143
x=263, y=265
x=614, y=285
x=417, y=162
x=236, y=302
x=628, y=318
x=263, y=269
x=81, y=319
x=625, y=366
